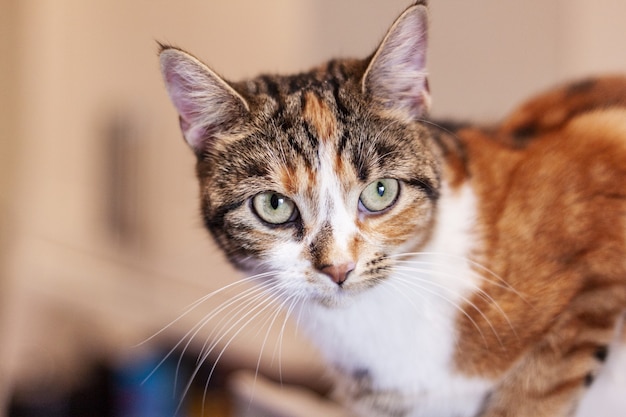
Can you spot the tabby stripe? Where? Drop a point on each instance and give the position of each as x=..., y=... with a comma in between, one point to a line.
x=360, y=165
x=271, y=87
x=297, y=148
x=425, y=185
x=445, y=133
x=311, y=136
x=217, y=219
x=342, y=110
x=298, y=82
x=343, y=141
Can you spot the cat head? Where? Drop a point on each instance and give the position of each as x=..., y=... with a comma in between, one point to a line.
x=319, y=178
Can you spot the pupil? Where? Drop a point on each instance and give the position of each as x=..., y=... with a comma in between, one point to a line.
x=380, y=188
x=275, y=201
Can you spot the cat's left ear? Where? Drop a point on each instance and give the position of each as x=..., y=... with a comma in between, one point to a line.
x=396, y=75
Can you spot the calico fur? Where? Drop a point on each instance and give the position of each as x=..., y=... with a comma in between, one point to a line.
x=495, y=281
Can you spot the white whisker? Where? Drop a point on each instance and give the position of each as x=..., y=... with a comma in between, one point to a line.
x=499, y=281
x=411, y=280
x=201, y=300
x=296, y=298
x=481, y=293
x=249, y=317
x=418, y=291
x=198, y=326
x=253, y=295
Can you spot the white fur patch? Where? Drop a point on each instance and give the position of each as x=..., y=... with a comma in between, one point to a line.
x=333, y=202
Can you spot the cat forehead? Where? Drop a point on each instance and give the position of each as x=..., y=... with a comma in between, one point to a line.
x=332, y=75
x=315, y=105
x=334, y=84
x=294, y=118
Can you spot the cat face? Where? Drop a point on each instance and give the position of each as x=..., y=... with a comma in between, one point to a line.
x=319, y=199
x=320, y=179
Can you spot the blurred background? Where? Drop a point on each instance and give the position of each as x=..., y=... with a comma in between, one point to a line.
x=101, y=245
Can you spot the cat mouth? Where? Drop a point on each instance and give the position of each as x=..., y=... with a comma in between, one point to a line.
x=342, y=294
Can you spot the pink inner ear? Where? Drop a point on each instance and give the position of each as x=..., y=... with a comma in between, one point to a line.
x=180, y=78
x=206, y=103
x=397, y=75
x=179, y=92
x=187, y=111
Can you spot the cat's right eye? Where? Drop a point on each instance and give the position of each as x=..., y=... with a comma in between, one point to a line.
x=274, y=208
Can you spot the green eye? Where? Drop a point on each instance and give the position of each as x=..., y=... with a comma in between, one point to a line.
x=379, y=195
x=274, y=208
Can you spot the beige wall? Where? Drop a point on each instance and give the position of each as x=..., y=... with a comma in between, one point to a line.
x=8, y=147
x=592, y=37
x=81, y=68
x=8, y=96
x=8, y=92
x=487, y=55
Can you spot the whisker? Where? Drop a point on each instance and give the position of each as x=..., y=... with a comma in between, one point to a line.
x=201, y=300
x=255, y=293
x=271, y=299
x=410, y=279
x=207, y=347
x=499, y=281
x=198, y=326
x=250, y=316
x=417, y=290
x=403, y=294
x=481, y=293
x=252, y=294
x=439, y=285
x=296, y=298
x=273, y=318
x=438, y=126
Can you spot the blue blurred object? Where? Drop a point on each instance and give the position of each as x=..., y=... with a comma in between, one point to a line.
x=145, y=387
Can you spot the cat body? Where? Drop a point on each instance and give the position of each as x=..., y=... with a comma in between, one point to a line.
x=441, y=269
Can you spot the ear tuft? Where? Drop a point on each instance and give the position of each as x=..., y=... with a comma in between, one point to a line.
x=206, y=103
x=396, y=75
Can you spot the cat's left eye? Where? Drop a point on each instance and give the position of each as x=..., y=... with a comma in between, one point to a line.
x=379, y=195
x=274, y=208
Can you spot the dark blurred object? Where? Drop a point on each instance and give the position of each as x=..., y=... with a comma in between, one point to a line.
x=144, y=385
x=94, y=398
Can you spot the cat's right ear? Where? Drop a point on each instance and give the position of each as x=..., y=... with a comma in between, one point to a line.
x=207, y=105
x=396, y=76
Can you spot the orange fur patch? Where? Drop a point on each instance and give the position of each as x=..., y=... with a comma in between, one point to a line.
x=553, y=225
x=317, y=114
x=289, y=181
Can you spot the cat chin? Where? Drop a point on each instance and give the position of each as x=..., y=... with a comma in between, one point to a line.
x=342, y=297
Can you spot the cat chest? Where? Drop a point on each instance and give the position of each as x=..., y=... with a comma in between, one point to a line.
x=403, y=348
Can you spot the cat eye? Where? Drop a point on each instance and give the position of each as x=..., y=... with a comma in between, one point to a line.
x=379, y=195
x=274, y=208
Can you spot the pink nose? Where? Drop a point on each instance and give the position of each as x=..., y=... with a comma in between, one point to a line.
x=338, y=273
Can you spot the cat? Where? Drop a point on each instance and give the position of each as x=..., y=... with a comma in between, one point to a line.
x=441, y=269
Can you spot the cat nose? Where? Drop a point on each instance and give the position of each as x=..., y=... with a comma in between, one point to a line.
x=338, y=273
